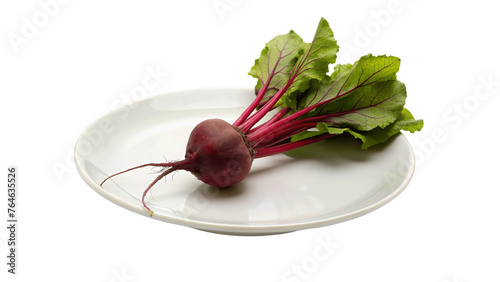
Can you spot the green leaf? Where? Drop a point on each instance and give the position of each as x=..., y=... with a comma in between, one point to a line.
x=314, y=62
x=376, y=105
x=287, y=59
x=276, y=61
x=405, y=121
x=345, y=79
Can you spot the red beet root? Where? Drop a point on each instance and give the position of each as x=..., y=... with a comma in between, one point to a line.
x=218, y=153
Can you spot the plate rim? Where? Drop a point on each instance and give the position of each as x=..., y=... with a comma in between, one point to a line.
x=226, y=228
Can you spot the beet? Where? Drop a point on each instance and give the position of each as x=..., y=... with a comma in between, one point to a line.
x=218, y=153
x=304, y=104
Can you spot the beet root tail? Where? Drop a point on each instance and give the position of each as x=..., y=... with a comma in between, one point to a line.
x=169, y=167
x=135, y=167
x=163, y=174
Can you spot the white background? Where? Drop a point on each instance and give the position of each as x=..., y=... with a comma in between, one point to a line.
x=67, y=63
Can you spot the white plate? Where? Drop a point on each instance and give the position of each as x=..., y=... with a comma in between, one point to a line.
x=322, y=184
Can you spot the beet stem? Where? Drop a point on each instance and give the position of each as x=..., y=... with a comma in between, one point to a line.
x=254, y=104
x=269, y=151
x=268, y=138
x=273, y=119
x=256, y=117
